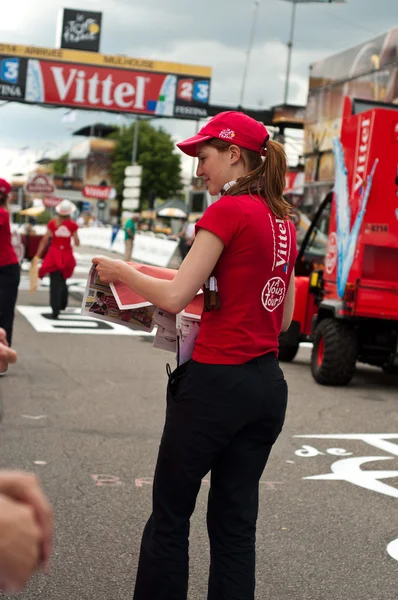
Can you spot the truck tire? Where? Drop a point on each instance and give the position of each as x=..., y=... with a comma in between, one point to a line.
x=287, y=352
x=334, y=353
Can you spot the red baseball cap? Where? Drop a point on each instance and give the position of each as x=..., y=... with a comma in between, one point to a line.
x=230, y=126
x=5, y=187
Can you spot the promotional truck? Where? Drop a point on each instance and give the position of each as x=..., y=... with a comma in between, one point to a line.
x=347, y=268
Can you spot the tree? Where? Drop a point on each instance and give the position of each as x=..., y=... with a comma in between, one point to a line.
x=59, y=164
x=161, y=168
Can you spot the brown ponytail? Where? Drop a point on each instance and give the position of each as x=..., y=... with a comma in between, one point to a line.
x=274, y=180
x=266, y=178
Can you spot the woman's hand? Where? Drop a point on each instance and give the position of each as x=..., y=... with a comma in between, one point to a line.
x=108, y=269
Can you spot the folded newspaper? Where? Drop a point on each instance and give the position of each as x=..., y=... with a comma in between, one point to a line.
x=117, y=303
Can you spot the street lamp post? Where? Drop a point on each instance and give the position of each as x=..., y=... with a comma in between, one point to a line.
x=291, y=37
x=135, y=141
x=249, y=49
x=289, y=51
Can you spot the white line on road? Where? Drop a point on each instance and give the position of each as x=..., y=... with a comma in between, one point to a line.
x=392, y=549
x=73, y=322
x=34, y=417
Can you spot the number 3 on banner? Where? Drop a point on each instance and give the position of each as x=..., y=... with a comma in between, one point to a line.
x=201, y=91
x=9, y=70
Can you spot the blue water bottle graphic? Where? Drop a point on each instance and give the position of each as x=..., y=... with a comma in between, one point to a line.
x=166, y=100
x=34, y=82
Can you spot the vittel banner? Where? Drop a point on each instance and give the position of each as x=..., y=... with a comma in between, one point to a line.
x=95, y=87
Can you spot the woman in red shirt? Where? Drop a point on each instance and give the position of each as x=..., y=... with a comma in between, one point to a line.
x=226, y=406
x=9, y=266
x=59, y=262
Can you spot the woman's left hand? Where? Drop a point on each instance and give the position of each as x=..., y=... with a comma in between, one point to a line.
x=108, y=269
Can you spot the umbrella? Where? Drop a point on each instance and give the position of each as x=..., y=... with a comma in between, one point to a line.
x=37, y=208
x=173, y=208
x=177, y=213
x=96, y=130
x=33, y=211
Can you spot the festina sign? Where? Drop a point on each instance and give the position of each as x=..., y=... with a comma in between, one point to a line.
x=99, y=192
x=40, y=184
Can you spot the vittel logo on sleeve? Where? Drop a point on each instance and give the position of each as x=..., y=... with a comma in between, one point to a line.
x=281, y=235
x=273, y=293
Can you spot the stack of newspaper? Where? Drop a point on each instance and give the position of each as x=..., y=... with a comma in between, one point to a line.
x=117, y=303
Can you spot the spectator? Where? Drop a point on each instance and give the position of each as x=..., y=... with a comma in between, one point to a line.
x=183, y=236
x=129, y=233
x=9, y=266
x=59, y=261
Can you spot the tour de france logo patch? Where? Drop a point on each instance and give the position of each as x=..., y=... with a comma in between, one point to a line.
x=273, y=293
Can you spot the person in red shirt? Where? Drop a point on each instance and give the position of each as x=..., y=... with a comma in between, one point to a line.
x=59, y=261
x=226, y=405
x=9, y=266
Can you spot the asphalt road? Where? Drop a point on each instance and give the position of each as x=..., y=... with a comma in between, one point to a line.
x=85, y=412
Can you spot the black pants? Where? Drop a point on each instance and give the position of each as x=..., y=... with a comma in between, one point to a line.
x=9, y=282
x=58, y=293
x=223, y=419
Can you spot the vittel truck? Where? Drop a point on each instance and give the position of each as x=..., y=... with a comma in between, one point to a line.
x=347, y=268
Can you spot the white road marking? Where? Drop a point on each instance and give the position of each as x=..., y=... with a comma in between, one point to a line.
x=71, y=321
x=33, y=417
x=74, y=284
x=392, y=549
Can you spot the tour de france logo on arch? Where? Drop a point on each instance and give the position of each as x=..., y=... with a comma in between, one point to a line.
x=273, y=293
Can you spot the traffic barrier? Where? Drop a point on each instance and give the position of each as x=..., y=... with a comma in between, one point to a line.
x=148, y=249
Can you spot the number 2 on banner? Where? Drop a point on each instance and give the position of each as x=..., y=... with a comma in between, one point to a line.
x=185, y=89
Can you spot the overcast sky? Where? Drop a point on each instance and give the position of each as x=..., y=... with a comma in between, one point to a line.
x=210, y=32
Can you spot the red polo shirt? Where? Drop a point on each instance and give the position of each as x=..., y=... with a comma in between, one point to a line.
x=253, y=275
x=7, y=252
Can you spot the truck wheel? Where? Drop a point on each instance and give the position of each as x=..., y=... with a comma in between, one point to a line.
x=287, y=352
x=334, y=353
